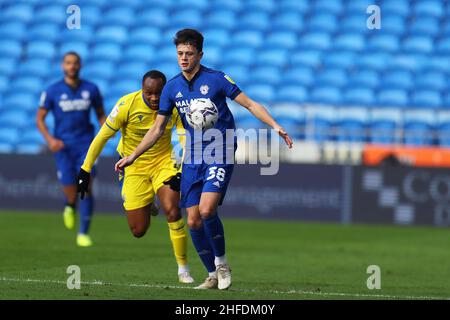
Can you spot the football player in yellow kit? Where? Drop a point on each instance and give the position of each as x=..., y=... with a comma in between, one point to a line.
x=154, y=172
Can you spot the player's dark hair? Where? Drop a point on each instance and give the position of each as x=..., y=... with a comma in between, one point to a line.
x=155, y=74
x=72, y=53
x=189, y=36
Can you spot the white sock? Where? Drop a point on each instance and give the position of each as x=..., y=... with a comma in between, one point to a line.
x=213, y=274
x=182, y=269
x=220, y=260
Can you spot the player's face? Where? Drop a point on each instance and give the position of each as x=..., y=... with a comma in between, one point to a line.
x=152, y=88
x=188, y=57
x=71, y=66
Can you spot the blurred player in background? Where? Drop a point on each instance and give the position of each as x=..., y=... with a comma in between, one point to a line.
x=71, y=100
x=203, y=186
x=154, y=172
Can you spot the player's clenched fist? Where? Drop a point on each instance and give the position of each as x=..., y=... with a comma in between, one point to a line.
x=124, y=162
x=83, y=183
x=55, y=145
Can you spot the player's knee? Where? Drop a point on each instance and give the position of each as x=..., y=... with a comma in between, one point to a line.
x=172, y=214
x=138, y=231
x=194, y=223
x=206, y=211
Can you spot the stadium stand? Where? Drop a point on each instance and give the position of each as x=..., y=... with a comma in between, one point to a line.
x=389, y=85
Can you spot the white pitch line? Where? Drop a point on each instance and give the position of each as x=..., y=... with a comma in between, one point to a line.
x=295, y=292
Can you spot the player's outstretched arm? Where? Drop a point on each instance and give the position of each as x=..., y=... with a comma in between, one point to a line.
x=262, y=114
x=150, y=138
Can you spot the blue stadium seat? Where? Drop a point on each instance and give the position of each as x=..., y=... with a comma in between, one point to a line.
x=326, y=94
x=20, y=102
x=310, y=58
x=357, y=5
x=4, y=84
x=257, y=5
x=108, y=51
x=397, y=79
x=17, y=12
x=364, y=78
x=34, y=67
x=147, y=35
x=291, y=94
x=437, y=63
x=8, y=135
x=418, y=44
x=427, y=26
x=243, y=56
x=291, y=118
x=10, y=49
x=248, y=38
x=352, y=124
x=199, y=5
x=154, y=17
x=189, y=18
x=234, y=5
x=272, y=57
x=398, y=7
x=332, y=77
x=323, y=22
x=90, y=14
x=14, y=118
x=392, y=98
x=170, y=69
x=166, y=53
x=384, y=126
x=29, y=84
x=443, y=46
x=126, y=86
x=112, y=34
x=6, y=147
x=293, y=6
x=353, y=42
x=290, y=21
x=51, y=14
x=443, y=128
x=393, y=24
x=315, y=40
x=356, y=23
x=434, y=80
x=41, y=49
x=238, y=73
x=384, y=43
x=220, y=20
x=359, y=96
x=216, y=36
x=269, y=75
x=28, y=148
x=139, y=52
x=123, y=16
x=32, y=136
x=79, y=47
x=212, y=56
x=418, y=127
x=411, y=62
x=13, y=30
x=44, y=32
x=333, y=7
x=427, y=99
x=302, y=76
x=282, y=39
x=85, y=34
x=430, y=8
x=99, y=69
x=320, y=122
x=131, y=70
x=258, y=20
x=262, y=92
x=339, y=59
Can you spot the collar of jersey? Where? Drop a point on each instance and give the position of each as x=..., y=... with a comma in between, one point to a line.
x=195, y=76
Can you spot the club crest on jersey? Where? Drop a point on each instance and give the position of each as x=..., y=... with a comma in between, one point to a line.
x=179, y=95
x=64, y=96
x=204, y=89
x=85, y=94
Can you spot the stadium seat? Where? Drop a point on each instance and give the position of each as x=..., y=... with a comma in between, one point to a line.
x=333, y=7
x=85, y=34
x=384, y=126
x=139, y=52
x=427, y=99
x=359, y=96
x=15, y=118
x=131, y=70
x=237, y=72
x=262, y=93
x=126, y=86
x=315, y=40
x=111, y=34
x=270, y=75
x=392, y=98
x=353, y=42
x=153, y=17
x=357, y=5
x=433, y=80
x=27, y=84
x=437, y=63
x=393, y=24
x=9, y=135
x=290, y=21
x=302, y=76
x=264, y=6
x=291, y=118
x=6, y=147
x=443, y=46
x=41, y=49
x=216, y=36
x=356, y=23
x=430, y=8
x=21, y=102
x=397, y=79
x=28, y=148
x=418, y=44
x=426, y=26
x=186, y=18
x=258, y=20
x=13, y=30
x=44, y=32
x=332, y=77
x=443, y=128
x=339, y=59
x=293, y=6
x=17, y=12
x=399, y=7
x=51, y=14
x=291, y=94
x=170, y=69
x=320, y=122
x=248, y=38
x=90, y=14
x=326, y=95
x=123, y=15
x=79, y=47
x=352, y=124
x=418, y=127
x=283, y=39
x=272, y=57
x=108, y=51
x=384, y=43
x=243, y=56
x=32, y=136
x=145, y=35
x=34, y=67
x=323, y=22
x=99, y=69
x=364, y=78
x=306, y=58
x=411, y=62
x=4, y=84
x=10, y=49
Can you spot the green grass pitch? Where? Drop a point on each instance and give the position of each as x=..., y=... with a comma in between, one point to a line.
x=269, y=259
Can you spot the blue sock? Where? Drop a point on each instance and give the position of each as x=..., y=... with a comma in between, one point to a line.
x=86, y=208
x=203, y=248
x=215, y=234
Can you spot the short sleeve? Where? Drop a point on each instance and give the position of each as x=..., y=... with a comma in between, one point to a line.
x=97, y=101
x=118, y=115
x=165, y=103
x=229, y=87
x=46, y=101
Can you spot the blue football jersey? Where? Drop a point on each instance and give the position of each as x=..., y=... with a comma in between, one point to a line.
x=207, y=83
x=71, y=109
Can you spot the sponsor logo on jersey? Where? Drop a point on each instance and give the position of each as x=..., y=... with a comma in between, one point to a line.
x=204, y=89
x=74, y=105
x=183, y=105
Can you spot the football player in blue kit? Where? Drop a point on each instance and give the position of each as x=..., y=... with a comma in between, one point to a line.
x=71, y=100
x=204, y=184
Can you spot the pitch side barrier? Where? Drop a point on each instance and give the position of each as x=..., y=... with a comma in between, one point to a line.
x=316, y=193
